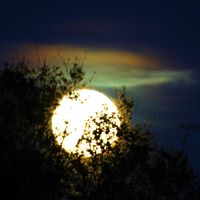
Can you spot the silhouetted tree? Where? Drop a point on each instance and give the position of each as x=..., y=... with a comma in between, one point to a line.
x=34, y=166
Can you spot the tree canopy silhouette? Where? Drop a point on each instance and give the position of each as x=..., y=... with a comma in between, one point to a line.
x=34, y=166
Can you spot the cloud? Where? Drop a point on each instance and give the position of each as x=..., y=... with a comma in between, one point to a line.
x=114, y=68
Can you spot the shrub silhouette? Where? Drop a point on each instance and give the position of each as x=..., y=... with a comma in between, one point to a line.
x=34, y=166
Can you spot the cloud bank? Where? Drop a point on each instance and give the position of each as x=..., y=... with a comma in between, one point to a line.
x=112, y=68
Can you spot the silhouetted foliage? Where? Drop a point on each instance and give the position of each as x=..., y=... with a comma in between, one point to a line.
x=34, y=166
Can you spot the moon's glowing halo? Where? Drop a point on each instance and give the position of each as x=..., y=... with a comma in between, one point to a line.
x=79, y=115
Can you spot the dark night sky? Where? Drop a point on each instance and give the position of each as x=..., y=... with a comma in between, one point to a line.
x=150, y=47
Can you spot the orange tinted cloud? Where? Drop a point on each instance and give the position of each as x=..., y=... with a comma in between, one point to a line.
x=52, y=54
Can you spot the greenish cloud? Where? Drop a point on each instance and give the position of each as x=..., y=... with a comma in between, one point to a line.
x=137, y=77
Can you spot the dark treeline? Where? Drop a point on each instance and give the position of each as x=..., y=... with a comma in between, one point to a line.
x=34, y=166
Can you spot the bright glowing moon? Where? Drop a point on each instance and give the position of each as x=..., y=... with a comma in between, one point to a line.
x=85, y=120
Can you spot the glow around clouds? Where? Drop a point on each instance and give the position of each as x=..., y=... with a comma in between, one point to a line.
x=113, y=68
